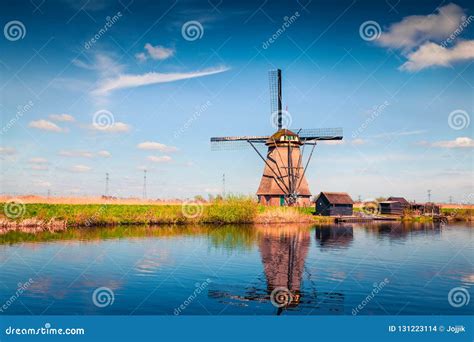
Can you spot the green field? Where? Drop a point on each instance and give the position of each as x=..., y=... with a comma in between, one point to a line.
x=232, y=210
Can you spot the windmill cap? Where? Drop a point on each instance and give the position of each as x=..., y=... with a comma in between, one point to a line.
x=284, y=135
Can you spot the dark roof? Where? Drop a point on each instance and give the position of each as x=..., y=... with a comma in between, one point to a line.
x=337, y=197
x=398, y=199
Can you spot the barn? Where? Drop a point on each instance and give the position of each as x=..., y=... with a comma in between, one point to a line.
x=334, y=204
x=391, y=208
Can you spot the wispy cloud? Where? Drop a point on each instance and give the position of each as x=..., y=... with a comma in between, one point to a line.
x=46, y=125
x=84, y=154
x=80, y=168
x=62, y=117
x=8, y=151
x=152, y=145
x=161, y=159
x=75, y=154
x=400, y=133
x=116, y=127
x=38, y=164
x=104, y=154
x=38, y=160
x=461, y=142
x=123, y=81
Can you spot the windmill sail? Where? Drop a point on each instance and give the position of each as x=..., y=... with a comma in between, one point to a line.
x=274, y=77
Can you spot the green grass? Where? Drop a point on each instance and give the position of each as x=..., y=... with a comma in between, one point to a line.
x=231, y=210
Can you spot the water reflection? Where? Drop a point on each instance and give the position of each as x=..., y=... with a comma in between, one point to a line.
x=325, y=269
x=401, y=230
x=339, y=236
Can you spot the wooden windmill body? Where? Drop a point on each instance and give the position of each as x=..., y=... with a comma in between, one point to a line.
x=283, y=172
x=283, y=181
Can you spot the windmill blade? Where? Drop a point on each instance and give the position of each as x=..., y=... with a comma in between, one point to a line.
x=311, y=134
x=274, y=78
x=236, y=143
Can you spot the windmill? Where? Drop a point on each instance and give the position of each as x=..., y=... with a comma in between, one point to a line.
x=283, y=181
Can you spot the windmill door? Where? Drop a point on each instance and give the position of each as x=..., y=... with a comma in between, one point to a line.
x=282, y=201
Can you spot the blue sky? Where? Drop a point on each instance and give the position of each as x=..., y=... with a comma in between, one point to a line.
x=80, y=98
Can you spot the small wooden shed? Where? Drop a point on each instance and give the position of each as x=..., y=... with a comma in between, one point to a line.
x=334, y=204
x=391, y=208
x=405, y=204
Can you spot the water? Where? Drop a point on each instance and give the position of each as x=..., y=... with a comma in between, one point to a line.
x=383, y=269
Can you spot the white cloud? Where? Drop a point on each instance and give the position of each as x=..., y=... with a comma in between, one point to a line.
x=130, y=81
x=116, y=127
x=7, y=150
x=46, y=126
x=39, y=167
x=44, y=184
x=461, y=142
x=80, y=168
x=400, y=133
x=84, y=154
x=38, y=160
x=159, y=52
x=162, y=159
x=141, y=57
x=38, y=164
x=415, y=30
x=62, y=117
x=152, y=145
x=75, y=154
x=358, y=141
x=431, y=54
x=104, y=154
x=333, y=142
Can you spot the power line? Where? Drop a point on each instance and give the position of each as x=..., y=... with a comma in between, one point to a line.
x=106, y=184
x=223, y=185
x=144, y=184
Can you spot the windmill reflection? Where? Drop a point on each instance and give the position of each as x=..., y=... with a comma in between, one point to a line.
x=283, y=254
x=283, y=251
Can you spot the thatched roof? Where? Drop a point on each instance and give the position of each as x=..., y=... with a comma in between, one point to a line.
x=337, y=197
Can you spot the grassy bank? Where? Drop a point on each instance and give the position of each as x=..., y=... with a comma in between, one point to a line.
x=233, y=210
